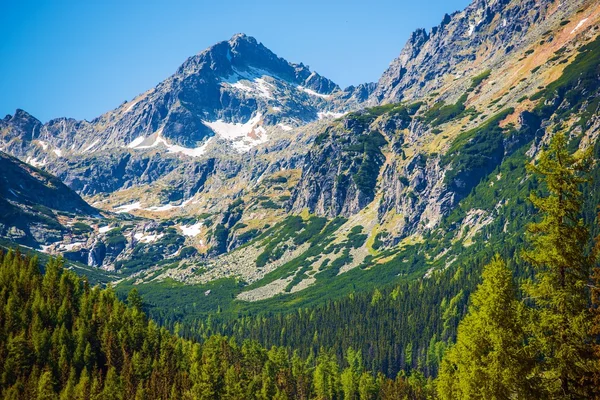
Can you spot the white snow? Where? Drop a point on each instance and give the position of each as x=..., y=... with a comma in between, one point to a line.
x=263, y=88
x=504, y=22
x=128, y=207
x=136, y=142
x=239, y=134
x=313, y=93
x=131, y=105
x=104, y=229
x=579, y=25
x=251, y=81
x=471, y=29
x=167, y=207
x=242, y=86
x=191, y=230
x=278, y=109
x=58, y=152
x=33, y=161
x=91, y=145
x=192, y=152
x=71, y=246
x=329, y=114
x=171, y=148
x=43, y=144
x=147, y=238
x=285, y=127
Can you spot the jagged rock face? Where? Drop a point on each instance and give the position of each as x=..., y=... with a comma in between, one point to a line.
x=340, y=171
x=465, y=42
x=31, y=201
x=27, y=185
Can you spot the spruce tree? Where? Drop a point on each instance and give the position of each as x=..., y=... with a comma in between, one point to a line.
x=595, y=329
x=487, y=361
x=560, y=320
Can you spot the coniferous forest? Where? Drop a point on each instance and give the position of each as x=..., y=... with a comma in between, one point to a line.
x=535, y=335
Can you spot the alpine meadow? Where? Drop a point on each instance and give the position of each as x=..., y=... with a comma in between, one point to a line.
x=248, y=229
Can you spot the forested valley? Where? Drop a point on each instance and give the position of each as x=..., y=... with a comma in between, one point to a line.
x=531, y=334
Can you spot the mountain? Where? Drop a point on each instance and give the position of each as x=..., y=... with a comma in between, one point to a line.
x=232, y=90
x=36, y=205
x=234, y=98
x=264, y=182
x=483, y=35
x=250, y=197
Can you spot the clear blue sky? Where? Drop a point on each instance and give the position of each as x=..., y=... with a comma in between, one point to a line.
x=82, y=58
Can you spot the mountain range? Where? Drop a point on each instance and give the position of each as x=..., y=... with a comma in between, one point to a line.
x=264, y=184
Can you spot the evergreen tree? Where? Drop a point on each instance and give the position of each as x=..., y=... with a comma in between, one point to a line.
x=560, y=320
x=487, y=360
x=595, y=329
x=350, y=377
x=45, y=389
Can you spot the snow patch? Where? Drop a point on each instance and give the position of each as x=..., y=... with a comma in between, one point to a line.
x=167, y=207
x=140, y=237
x=43, y=144
x=131, y=105
x=579, y=25
x=278, y=109
x=471, y=29
x=58, y=152
x=171, y=148
x=71, y=246
x=192, y=152
x=285, y=127
x=313, y=93
x=191, y=230
x=91, y=145
x=34, y=161
x=128, y=207
x=136, y=142
x=251, y=81
x=104, y=229
x=242, y=136
x=329, y=114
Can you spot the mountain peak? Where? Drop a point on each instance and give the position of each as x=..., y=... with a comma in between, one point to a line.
x=242, y=37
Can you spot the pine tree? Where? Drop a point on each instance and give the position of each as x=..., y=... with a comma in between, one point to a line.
x=112, y=386
x=351, y=375
x=595, y=329
x=560, y=321
x=45, y=390
x=367, y=388
x=487, y=360
x=134, y=299
x=326, y=377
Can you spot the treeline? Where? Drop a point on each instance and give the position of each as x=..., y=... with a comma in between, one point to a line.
x=397, y=328
x=61, y=338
